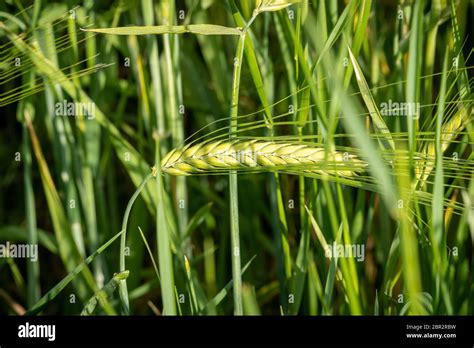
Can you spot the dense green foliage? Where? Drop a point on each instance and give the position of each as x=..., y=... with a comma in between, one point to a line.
x=86, y=114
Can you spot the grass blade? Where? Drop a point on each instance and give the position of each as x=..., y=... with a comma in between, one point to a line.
x=51, y=294
x=200, y=29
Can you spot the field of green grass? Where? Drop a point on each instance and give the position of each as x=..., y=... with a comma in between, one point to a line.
x=236, y=157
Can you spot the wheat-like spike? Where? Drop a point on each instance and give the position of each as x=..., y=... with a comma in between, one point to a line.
x=450, y=131
x=218, y=156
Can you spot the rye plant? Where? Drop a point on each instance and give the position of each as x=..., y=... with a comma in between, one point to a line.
x=294, y=147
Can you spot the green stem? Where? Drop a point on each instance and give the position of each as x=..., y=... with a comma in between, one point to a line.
x=163, y=237
x=32, y=268
x=176, y=119
x=123, y=239
x=233, y=187
x=249, y=23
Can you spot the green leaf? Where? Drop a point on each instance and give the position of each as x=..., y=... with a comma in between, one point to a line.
x=51, y=294
x=200, y=29
x=252, y=62
x=223, y=293
x=163, y=236
x=386, y=142
x=66, y=245
x=103, y=294
x=198, y=218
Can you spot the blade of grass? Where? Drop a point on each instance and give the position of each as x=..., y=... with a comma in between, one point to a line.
x=104, y=293
x=200, y=29
x=51, y=294
x=163, y=238
x=408, y=244
x=67, y=250
x=33, y=268
x=438, y=235
x=250, y=300
x=386, y=142
x=149, y=18
x=233, y=186
x=414, y=71
x=123, y=292
x=216, y=300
